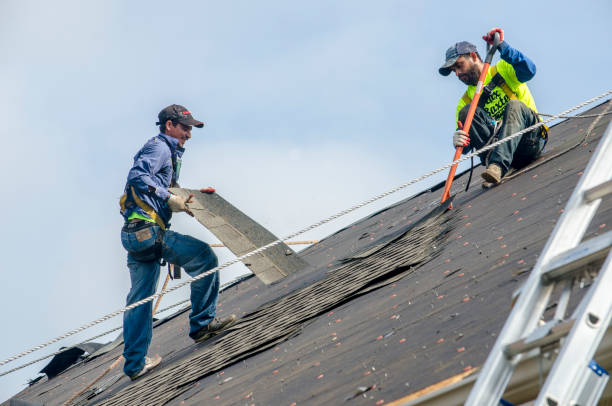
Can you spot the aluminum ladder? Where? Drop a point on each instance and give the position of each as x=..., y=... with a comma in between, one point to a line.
x=573, y=379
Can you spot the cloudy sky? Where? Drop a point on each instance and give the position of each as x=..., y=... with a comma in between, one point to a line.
x=310, y=108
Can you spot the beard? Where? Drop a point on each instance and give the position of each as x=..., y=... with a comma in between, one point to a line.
x=471, y=76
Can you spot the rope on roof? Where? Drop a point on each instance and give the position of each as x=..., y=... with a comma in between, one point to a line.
x=286, y=242
x=577, y=116
x=304, y=230
x=222, y=287
x=83, y=342
x=586, y=135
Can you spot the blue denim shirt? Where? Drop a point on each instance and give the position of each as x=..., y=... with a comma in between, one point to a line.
x=524, y=67
x=152, y=174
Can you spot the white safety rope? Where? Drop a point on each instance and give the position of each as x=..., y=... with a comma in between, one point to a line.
x=83, y=342
x=304, y=230
x=579, y=116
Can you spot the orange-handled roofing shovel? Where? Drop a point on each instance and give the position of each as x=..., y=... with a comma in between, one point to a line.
x=470, y=115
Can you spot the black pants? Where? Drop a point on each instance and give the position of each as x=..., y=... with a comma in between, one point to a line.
x=519, y=151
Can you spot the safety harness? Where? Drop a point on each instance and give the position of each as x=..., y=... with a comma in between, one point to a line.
x=126, y=204
x=153, y=253
x=496, y=81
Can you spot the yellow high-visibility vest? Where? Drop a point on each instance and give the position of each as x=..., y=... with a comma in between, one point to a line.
x=511, y=88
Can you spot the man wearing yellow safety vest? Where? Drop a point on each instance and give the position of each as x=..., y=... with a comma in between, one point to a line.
x=147, y=207
x=506, y=106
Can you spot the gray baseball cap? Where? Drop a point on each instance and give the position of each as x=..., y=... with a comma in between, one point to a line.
x=454, y=52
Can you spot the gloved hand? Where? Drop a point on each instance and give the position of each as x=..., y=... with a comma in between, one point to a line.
x=490, y=36
x=209, y=190
x=460, y=139
x=178, y=203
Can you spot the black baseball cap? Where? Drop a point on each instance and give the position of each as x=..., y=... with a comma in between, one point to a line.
x=454, y=52
x=178, y=114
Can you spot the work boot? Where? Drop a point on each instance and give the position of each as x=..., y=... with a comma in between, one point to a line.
x=150, y=363
x=487, y=185
x=492, y=174
x=213, y=328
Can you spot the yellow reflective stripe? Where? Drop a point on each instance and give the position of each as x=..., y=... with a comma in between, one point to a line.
x=136, y=215
x=122, y=202
x=508, y=91
x=504, y=86
x=145, y=207
x=467, y=99
x=148, y=209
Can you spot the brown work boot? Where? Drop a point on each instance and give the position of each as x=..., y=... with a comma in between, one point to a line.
x=213, y=328
x=492, y=174
x=150, y=363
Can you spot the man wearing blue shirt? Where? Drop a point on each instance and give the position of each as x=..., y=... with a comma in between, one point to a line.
x=506, y=106
x=147, y=208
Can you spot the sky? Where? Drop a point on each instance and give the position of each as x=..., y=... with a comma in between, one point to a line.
x=311, y=107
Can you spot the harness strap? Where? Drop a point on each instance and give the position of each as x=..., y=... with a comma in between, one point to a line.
x=496, y=81
x=145, y=207
x=176, y=165
x=499, y=81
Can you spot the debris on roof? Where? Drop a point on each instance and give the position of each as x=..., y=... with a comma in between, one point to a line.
x=285, y=318
x=68, y=358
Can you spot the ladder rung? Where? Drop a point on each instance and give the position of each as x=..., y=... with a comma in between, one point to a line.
x=556, y=333
x=598, y=192
x=567, y=263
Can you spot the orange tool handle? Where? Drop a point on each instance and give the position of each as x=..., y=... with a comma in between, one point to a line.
x=470, y=117
x=466, y=128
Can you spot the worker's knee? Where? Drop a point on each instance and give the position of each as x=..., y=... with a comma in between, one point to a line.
x=187, y=251
x=463, y=113
x=211, y=257
x=205, y=260
x=515, y=106
x=518, y=112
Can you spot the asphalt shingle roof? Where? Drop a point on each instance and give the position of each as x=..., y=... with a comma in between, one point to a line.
x=396, y=302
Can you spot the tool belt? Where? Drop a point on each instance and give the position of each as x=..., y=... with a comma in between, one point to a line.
x=154, y=251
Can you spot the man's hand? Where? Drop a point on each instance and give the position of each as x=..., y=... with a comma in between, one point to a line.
x=178, y=203
x=490, y=36
x=460, y=139
x=209, y=190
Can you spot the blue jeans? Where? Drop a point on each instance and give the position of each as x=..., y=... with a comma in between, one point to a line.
x=517, y=152
x=191, y=254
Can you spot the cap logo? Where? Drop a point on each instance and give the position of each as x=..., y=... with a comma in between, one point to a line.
x=185, y=112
